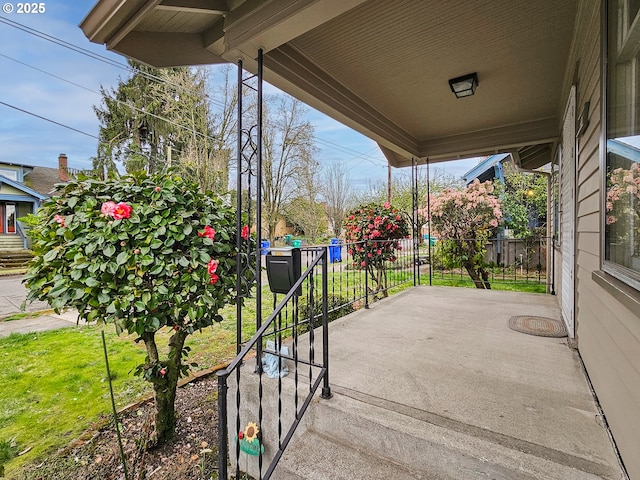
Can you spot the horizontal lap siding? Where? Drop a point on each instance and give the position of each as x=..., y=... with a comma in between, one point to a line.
x=608, y=333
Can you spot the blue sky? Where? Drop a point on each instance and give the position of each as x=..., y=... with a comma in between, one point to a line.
x=67, y=91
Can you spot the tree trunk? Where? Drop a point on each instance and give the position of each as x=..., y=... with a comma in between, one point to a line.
x=478, y=275
x=164, y=385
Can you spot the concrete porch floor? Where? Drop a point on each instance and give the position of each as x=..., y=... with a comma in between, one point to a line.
x=470, y=397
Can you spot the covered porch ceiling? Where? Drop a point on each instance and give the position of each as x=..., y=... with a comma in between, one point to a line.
x=380, y=67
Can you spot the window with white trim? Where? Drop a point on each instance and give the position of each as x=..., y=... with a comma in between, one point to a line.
x=10, y=174
x=622, y=197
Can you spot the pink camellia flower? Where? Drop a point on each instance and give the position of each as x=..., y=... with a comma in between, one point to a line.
x=59, y=219
x=213, y=279
x=163, y=371
x=108, y=208
x=386, y=205
x=157, y=189
x=212, y=266
x=121, y=210
x=245, y=232
x=208, y=232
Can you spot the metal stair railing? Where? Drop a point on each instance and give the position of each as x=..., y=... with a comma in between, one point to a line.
x=318, y=373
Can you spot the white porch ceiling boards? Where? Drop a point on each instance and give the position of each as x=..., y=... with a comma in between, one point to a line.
x=379, y=66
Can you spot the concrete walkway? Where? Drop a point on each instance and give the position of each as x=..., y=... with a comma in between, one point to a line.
x=41, y=323
x=13, y=295
x=432, y=383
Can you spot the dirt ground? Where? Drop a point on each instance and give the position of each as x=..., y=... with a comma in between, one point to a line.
x=191, y=455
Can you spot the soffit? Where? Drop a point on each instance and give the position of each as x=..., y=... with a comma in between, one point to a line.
x=379, y=66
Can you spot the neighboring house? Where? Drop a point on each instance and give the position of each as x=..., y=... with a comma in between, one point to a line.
x=23, y=188
x=491, y=168
x=550, y=82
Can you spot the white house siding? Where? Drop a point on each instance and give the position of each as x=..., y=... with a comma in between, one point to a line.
x=607, y=332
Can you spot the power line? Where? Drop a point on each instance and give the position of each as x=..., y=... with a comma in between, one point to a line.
x=68, y=127
x=97, y=56
x=48, y=120
x=119, y=102
x=129, y=68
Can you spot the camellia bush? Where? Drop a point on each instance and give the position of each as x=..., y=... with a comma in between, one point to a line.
x=145, y=253
x=373, y=231
x=464, y=219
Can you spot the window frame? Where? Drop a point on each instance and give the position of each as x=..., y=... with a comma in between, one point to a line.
x=618, y=271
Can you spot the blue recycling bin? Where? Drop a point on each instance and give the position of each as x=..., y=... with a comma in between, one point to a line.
x=265, y=246
x=335, y=251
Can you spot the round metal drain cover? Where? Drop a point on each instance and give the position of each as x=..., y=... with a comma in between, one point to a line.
x=540, y=326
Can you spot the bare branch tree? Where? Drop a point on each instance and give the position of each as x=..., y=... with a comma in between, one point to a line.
x=288, y=151
x=337, y=194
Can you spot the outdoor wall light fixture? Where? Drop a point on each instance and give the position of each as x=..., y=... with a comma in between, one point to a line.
x=465, y=85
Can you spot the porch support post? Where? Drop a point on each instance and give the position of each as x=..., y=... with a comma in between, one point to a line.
x=239, y=214
x=414, y=221
x=326, y=389
x=259, y=216
x=429, y=224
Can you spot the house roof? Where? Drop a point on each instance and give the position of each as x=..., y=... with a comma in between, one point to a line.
x=378, y=66
x=43, y=179
x=486, y=169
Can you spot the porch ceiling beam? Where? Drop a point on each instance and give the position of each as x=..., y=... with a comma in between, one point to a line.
x=494, y=140
x=212, y=7
x=268, y=24
x=163, y=49
x=291, y=71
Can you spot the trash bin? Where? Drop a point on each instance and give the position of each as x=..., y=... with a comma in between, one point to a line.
x=287, y=238
x=264, y=246
x=335, y=251
x=296, y=243
x=430, y=240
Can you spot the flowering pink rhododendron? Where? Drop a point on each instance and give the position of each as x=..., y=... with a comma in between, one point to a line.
x=465, y=218
x=623, y=194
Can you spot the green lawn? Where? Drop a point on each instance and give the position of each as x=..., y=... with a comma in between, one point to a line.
x=54, y=384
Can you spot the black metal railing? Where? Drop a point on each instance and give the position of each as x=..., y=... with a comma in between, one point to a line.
x=277, y=411
x=355, y=280
x=506, y=260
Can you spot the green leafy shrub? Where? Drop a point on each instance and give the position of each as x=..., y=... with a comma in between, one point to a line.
x=142, y=252
x=372, y=232
x=337, y=307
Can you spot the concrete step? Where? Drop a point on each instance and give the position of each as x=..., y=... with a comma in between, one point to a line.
x=14, y=258
x=11, y=242
x=325, y=458
x=347, y=433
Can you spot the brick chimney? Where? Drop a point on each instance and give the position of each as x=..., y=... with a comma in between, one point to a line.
x=63, y=170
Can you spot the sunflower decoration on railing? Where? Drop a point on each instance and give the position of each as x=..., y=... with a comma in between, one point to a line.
x=249, y=441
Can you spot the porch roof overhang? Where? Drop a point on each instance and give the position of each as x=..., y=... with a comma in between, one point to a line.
x=378, y=66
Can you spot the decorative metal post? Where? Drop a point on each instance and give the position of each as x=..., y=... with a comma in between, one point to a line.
x=414, y=222
x=326, y=389
x=429, y=224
